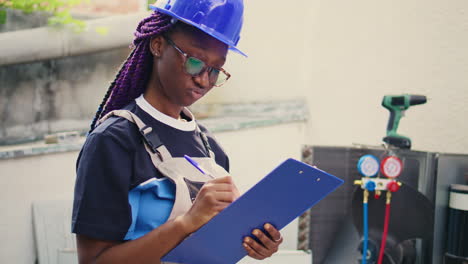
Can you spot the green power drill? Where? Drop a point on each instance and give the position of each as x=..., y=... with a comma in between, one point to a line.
x=397, y=104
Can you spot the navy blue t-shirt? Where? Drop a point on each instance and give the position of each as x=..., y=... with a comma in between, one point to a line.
x=113, y=161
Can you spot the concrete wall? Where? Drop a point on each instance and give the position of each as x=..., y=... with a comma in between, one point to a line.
x=343, y=56
x=17, y=20
x=55, y=95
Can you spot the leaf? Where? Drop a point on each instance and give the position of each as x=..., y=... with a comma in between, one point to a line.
x=3, y=16
x=148, y=3
x=103, y=31
x=59, y=9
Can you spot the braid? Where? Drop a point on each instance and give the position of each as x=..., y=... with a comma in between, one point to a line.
x=134, y=73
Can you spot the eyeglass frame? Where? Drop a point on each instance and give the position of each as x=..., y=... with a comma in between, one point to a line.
x=205, y=68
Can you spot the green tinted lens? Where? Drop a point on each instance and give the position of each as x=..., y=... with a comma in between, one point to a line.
x=217, y=77
x=214, y=74
x=194, y=66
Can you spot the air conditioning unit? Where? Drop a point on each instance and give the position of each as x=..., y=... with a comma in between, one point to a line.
x=418, y=221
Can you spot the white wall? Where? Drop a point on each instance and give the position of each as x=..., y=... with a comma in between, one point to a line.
x=343, y=56
x=23, y=181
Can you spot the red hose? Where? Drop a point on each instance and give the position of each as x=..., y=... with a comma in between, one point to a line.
x=385, y=232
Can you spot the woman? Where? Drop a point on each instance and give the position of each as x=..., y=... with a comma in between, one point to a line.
x=136, y=197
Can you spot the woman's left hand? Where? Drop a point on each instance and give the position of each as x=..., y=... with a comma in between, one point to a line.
x=269, y=243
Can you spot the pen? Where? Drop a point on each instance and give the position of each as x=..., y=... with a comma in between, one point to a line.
x=197, y=166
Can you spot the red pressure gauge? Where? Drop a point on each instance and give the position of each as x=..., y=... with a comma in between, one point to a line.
x=391, y=167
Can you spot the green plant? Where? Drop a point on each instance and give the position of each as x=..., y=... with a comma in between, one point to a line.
x=59, y=10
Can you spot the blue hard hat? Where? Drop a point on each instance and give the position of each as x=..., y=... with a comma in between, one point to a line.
x=221, y=19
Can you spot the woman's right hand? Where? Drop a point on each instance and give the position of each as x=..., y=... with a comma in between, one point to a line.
x=214, y=196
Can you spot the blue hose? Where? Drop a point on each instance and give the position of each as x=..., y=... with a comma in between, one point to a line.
x=365, y=234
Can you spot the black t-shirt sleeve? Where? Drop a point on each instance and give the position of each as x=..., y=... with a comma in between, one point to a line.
x=100, y=208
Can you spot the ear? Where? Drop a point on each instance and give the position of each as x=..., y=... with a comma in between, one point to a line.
x=156, y=46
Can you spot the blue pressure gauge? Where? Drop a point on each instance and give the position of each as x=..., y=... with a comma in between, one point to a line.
x=368, y=165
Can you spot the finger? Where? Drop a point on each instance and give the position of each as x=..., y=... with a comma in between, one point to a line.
x=274, y=233
x=225, y=179
x=267, y=242
x=256, y=248
x=218, y=192
x=260, y=249
x=220, y=206
x=227, y=197
x=251, y=252
x=236, y=191
x=220, y=187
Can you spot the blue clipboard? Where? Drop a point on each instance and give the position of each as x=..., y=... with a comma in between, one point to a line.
x=281, y=196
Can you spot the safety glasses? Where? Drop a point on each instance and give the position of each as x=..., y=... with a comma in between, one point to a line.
x=196, y=67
